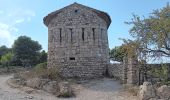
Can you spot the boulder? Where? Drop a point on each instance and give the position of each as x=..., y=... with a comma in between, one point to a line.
x=51, y=87
x=33, y=83
x=164, y=92
x=64, y=89
x=146, y=91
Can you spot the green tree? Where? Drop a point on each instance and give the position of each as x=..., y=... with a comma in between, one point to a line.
x=129, y=48
x=4, y=50
x=117, y=53
x=153, y=32
x=26, y=50
x=43, y=57
x=7, y=59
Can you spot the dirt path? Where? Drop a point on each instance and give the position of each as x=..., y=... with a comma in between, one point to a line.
x=104, y=89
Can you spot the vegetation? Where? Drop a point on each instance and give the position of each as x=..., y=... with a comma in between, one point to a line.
x=161, y=73
x=42, y=57
x=4, y=50
x=151, y=39
x=128, y=49
x=153, y=33
x=41, y=71
x=26, y=50
x=133, y=90
x=6, y=60
x=117, y=54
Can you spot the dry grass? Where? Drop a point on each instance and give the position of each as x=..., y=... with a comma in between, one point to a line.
x=40, y=71
x=133, y=90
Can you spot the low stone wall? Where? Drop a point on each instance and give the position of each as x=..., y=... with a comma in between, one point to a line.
x=116, y=71
x=132, y=73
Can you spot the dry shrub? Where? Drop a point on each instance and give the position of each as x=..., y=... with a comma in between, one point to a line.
x=133, y=90
x=41, y=71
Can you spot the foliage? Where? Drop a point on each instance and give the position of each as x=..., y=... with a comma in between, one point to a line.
x=41, y=71
x=26, y=50
x=40, y=66
x=131, y=89
x=43, y=57
x=161, y=73
x=6, y=59
x=4, y=50
x=153, y=32
x=117, y=54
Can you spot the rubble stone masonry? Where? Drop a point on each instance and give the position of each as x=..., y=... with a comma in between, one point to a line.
x=78, y=41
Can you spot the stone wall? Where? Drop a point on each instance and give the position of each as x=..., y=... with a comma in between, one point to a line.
x=131, y=72
x=78, y=41
x=127, y=72
x=116, y=71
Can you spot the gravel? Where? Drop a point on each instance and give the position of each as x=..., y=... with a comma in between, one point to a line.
x=102, y=89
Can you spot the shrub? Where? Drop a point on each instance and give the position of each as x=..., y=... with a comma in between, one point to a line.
x=66, y=95
x=132, y=89
x=6, y=59
x=53, y=74
x=161, y=73
x=41, y=71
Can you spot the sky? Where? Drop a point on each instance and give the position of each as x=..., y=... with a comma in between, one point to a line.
x=25, y=17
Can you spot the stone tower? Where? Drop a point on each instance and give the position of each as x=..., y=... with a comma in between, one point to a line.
x=78, y=41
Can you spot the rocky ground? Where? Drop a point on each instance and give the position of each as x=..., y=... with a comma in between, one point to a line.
x=103, y=89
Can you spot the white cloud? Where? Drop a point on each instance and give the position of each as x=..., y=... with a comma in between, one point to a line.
x=6, y=34
x=8, y=30
x=21, y=15
x=4, y=26
x=19, y=21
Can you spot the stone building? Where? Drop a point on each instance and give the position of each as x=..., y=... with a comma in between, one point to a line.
x=78, y=41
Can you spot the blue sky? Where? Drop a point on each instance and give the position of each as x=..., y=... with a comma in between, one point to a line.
x=25, y=17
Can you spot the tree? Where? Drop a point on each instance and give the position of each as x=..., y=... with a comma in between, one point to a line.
x=4, y=50
x=7, y=59
x=129, y=48
x=117, y=53
x=26, y=50
x=43, y=57
x=153, y=32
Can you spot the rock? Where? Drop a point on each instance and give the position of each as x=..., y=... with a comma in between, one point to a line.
x=51, y=87
x=164, y=92
x=29, y=97
x=36, y=82
x=64, y=89
x=146, y=91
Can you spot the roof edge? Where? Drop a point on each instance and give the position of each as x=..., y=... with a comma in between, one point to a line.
x=101, y=14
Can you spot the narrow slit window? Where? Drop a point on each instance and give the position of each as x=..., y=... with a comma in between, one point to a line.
x=83, y=34
x=101, y=33
x=72, y=58
x=60, y=36
x=71, y=31
x=93, y=29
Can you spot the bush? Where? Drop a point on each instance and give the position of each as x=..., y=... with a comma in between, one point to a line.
x=132, y=89
x=161, y=74
x=41, y=66
x=41, y=71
